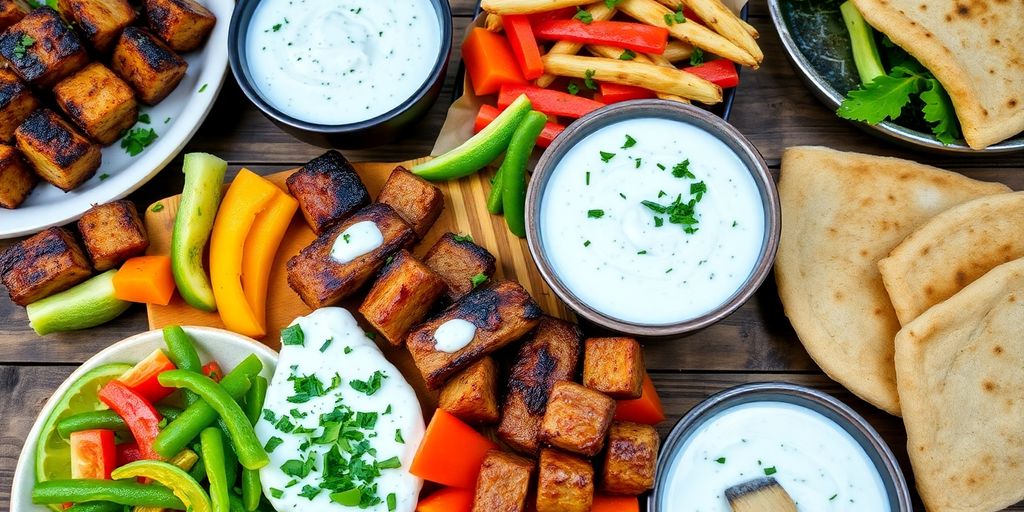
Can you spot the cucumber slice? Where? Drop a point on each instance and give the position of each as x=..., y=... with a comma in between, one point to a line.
x=204, y=179
x=85, y=305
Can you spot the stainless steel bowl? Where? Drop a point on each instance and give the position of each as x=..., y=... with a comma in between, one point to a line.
x=822, y=403
x=817, y=44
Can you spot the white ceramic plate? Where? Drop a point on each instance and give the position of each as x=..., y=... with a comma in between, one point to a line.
x=120, y=174
x=227, y=348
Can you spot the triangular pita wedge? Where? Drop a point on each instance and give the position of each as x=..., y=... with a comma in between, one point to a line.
x=951, y=250
x=841, y=213
x=974, y=50
x=960, y=368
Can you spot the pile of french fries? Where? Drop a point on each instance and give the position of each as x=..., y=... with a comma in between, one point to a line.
x=719, y=32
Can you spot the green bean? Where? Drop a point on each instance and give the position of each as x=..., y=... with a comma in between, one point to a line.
x=494, y=197
x=103, y=419
x=124, y=492
x=252, y=489
x=513, y=171
x=254, y=399
x=182, y=353
x=213, y=453
x=243, y=437
x=230, y=459
x=198, y=471
x=96, y=506
x=180, y=432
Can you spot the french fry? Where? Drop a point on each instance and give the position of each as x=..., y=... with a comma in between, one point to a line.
x=611, y=52
x=750, y=29
x=653, y=13
x=677, y=50
x=493, y=23
x=502, y=7
x=661, y=60
x=639, y=74
x=719, y=18
x=598, y=12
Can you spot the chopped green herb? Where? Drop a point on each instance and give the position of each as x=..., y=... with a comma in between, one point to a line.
x=22, y=45
x=588, y=79
x=661, y=166
x=641, y=253
x=833, y=497
x=272, y=444
x=584, y=16
x=309, y=492
x=658, y=222
x=720, y=460
x=734, y=223
x=698, y=189
x=347, y=237
x=144, y=118
x=369, y=386
x=276, y=493
x=104, y=176
x=398, y=436
x=572, y=88
x=203, y=88
x=323, y=348
x=392, y=463
x=349, y=498
x=769, y=471
x=306, y=388
x=387, y=410
x=588, y=178
x=276, y=27
x=292, y=335
x=627, y=55
x=630, y=142
x=622, y=195
x=167, y=120
x=462, y=238
x=667, y=271
x=682, y=170
x=138, y=139
x=392, y=502
x=595, y=214
x=158, y=207
x=478, y=279
x=638, y=162
x=348, y=350
x=697, y=57
x=606, y=156
x=611, y=3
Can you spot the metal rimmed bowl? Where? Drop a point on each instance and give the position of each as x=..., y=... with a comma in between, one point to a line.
x=818, y=46
x=372, y=132
x=828, y=406
x=682, y=113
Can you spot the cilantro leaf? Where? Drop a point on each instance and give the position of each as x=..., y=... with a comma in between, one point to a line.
x=292, y=335
x=584, y=16
x=938, y=111
x=883, y=98
x=588, y=79
x=137, y=139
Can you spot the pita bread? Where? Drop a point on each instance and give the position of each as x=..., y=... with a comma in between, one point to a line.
x=960, y=368
x=973, y=49
x=841, y=213
x=951, y=250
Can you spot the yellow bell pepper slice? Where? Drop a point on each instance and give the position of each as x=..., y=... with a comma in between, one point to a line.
x=260, y=250
x=185, y=460
x=174, y=478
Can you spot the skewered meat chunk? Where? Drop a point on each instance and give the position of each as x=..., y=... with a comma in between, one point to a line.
x=112, y=232
x=503, y=483
x=630, y=460
x=472, y=394
x=328, y=190
x=49, y=262
x=613, y=366
x=55, y=149
x=551, y=354
x=417, y=200
x=500, y=313
x=147, y=64
x=16, y=103
x=565, y=483
x=16, y=180
x=42, y=49
x=183, y=24
x=322, y=280
x=99, y=102
x=577, y=418
x=401, y=297
x=458, y=260
x=12, y=11
x=101, y=21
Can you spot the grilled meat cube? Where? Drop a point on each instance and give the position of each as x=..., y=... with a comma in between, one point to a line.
x=458, y=260
x=46, y=263
x=99, y=102
x=55, y=149
x=401, y=297
x=321, y=280
x=112, y=232
x=16, y=180
x=551, y=354
x=577, y=418
x=417, y=200
x=613, y=366
x=12, y=11
x=501, y=313
x=565, y=483
x=101, y=21
x=41, y=49
x=16, y=103
x=629, y=462
x=503, y=483
x=472, y=394
x=147, y=64
x=183, y=24
x=328, y=190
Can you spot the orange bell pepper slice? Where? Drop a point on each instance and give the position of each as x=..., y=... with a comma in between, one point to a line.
x=260, y=250
x=448, y=499
x=146, y=279
x=615, y=504
x=451, y=452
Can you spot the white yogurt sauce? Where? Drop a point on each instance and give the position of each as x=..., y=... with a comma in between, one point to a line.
x=820, y=465
x=341, y=61
x=358, y=239
x=633, y=263
x=356, y=381
x=453, y=335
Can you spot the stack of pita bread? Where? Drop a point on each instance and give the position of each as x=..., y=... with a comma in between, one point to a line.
x=905, y=283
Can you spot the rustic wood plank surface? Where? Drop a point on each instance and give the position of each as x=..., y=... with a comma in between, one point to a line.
x=772, y=108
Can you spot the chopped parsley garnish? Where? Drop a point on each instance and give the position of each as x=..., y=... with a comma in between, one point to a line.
x=658, y=222
x=595, y=214
x=462, y=238
x=292, y=335
x=622, y=195
x=298, y=468
x=276, y=493
x=697, y=57
x=277, y=26
x=285, y=425
x=641, y=253
x=269, y=415
x=627, y=55
x=272, y=444
x=586, y=243
x=720, y=460
x=769, y=471
x=678, y=212
x=167, y=120
x=398, y=436
x=158, y=207
x=104, y=176
x=588, y=178
x=611, y=3
x=682, y=170
x=833, y=497
x=144, y=118
x=203, y=88
x=309, y=492
x=387, y=410
x=137, y=139
x=606, y=156
x=478, y=280
x=369, y=386
x=392, y=463
x=588, y=79
x=22, y=45
x=392, y=501
x=348, y=350
x=323, y=348
x=630, y=142
x=638, y=161
x=572, y=88
x=306, y=388
x=347, y=237
x=584, y=16
x=698, y=189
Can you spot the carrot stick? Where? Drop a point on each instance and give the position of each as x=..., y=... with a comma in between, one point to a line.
x=451, y=452
x=145, y=279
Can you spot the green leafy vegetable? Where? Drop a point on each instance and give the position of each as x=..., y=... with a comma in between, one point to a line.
x=137, y=139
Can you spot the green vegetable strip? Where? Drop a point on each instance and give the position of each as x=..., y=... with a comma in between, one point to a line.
x=198, y=471
x=82, y=306
x=182, y=352
x=252, y=489
x=124, y=492
x=96, y=506
x=180, y=432
x=107, y=419
x=494, y=197
x=862, y=38
x=200, y=198
x=513, y=171
x=230, y=459
x=236, y=503
x=248, y=448
x=213, y=454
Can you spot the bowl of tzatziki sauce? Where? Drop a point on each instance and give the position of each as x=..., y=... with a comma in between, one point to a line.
x=825, y=455
x=341, y=73
x=653, y=218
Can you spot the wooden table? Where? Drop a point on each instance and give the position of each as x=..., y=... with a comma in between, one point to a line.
x=773, y=109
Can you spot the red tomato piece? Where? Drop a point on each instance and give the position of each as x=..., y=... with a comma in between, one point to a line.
x=93, y=454
x=142, y=378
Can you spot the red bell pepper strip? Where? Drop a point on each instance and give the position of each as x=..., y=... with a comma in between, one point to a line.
x=620, y=34
x=552, y=103
x=614, y=93
x=489, y=61
x=488, y=113
x=142, y=419
x=127, y=452
x=558, y=14
x=524, y=45
x=721, y=72
x=213, y=371
x=93, y=454
x=141, y=378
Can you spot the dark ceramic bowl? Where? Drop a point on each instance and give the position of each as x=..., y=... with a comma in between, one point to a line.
x=676, y=111
x=371, y=132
